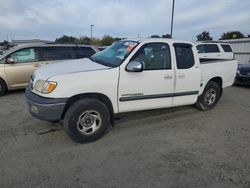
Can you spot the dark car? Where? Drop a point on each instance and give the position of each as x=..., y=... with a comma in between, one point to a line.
x=243, y=74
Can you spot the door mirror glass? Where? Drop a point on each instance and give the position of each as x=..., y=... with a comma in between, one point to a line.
x=134, y=66
x=10, y=60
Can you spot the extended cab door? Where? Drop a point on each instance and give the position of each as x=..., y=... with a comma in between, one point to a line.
x=151, y=88
x=188, y=76
x=25, y=62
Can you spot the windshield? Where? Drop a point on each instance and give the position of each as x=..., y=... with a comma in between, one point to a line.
x=114, y=55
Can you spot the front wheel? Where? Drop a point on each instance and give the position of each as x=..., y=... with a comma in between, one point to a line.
x=210, y=96
x=86, y=120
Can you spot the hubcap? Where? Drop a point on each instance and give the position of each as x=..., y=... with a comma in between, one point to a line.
x=88, y=122
x=210, y=96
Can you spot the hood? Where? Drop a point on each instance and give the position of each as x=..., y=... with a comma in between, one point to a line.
x=65, y=67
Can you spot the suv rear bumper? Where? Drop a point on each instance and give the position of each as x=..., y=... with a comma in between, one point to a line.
x=48, y=109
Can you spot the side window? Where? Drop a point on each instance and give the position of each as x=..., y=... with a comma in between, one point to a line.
x=211, y=48
x=226, y=48
x=25, y=55
x=154, y=56
x=82, y=52
x=201, y=49
x=184, y=56
x=56, y=53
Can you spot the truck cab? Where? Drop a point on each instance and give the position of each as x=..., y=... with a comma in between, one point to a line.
x=130, y=75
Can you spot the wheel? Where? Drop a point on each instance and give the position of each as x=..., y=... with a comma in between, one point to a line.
x=209, y=97
x=86, y=120
x=3, y=88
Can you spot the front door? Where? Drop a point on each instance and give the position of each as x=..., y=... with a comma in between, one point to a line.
x=25, y=62
x=154, y=86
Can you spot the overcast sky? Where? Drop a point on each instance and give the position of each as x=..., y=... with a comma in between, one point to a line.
x=49, y=19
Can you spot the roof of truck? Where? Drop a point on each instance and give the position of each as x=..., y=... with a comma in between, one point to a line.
x=157, y=40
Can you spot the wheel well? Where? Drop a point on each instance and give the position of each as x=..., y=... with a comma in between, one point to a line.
x=218, y=80
x=98, y=96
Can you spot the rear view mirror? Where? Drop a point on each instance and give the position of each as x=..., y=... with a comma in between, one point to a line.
x=134, y=66
x=10, y=61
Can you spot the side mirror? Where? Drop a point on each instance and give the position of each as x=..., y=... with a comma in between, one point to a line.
x=10, y=61
x=134, y=66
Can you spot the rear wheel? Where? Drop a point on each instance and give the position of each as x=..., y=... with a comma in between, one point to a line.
x=3, y=88
x=86, y=120
x=209, y=97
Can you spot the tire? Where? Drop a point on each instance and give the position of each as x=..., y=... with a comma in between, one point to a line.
x=210, y=96
x=3, y=88
x=86, y=120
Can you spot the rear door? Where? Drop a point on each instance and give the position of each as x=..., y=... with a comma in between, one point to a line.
x=188, y=75
x=25, y=62
x=227, y=51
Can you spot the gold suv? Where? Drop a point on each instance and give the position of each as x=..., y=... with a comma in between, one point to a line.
x=18, y=63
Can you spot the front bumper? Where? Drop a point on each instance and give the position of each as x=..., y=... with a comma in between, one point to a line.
x=48, y=109
x=241, y=79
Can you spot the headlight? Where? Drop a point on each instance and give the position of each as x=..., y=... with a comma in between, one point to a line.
x=46, y=87
x=238, y=71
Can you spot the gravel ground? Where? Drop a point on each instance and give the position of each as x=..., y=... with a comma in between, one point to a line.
x=178, y=147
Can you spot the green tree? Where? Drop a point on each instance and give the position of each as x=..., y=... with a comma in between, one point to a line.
x=232, y=35
x=84, y=40
x=204, y=36
x=66, y=40
x=166, y=36
x=155, y=36
x=106, y=40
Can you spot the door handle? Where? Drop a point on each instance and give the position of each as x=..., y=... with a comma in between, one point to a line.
x=167, y=76
x=181, y=76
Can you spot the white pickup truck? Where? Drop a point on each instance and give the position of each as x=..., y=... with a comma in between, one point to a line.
x=130, y=75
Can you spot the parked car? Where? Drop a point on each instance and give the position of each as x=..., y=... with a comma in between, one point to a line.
x=18, y=64
x=209, y=51
x=130, y=75
x=243, y=74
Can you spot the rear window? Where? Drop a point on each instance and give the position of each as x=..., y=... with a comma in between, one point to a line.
x=208, y=48
x=82, y=52
x=56, y=53
x=184, y=56
x=226, y=48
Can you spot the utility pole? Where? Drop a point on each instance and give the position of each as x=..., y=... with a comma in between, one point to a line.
x=91, y=32
x=172, y=20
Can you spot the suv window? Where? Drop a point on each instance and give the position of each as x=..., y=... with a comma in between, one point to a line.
x=25, y=55
x=82, y=52
x=56, y=53
x=184, y=56
x=226, y=48
x=208, y=48
x=154, y=56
